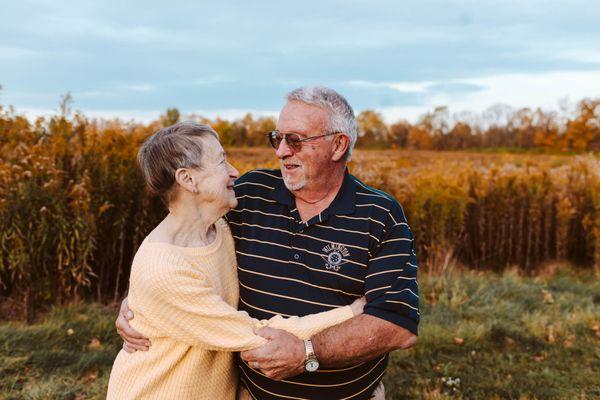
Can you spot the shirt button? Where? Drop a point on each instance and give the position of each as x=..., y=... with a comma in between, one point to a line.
x=296, y=256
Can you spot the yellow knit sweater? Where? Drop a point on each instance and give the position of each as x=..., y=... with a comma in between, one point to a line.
x=185, y=300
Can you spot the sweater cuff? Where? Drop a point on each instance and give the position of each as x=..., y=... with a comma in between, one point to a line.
x=345, y=314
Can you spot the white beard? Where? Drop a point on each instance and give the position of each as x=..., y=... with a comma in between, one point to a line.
x=293, y=186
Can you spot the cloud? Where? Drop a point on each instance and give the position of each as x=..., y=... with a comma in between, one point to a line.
x=545, y=90
x=14, y=52
x=588, y=55
x=146, y=116
x=524, y=90
x=234, y=113
x=410, y=113
x=211, y=80
x=454, y=87
x=404, y=87
x=143, y=116
x=140, y=87
x=115, y=90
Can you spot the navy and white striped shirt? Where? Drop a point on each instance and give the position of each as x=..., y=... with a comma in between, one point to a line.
x=360, y=245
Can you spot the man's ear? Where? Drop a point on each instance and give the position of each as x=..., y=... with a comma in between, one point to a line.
x=340, y=147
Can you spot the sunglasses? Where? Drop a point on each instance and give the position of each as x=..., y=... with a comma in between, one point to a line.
x=292, y=139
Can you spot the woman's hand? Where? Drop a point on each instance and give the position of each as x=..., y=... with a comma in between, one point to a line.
x=358, y=305
x=132, y=339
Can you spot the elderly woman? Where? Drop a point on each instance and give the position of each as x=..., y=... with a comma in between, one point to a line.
x=183, y=286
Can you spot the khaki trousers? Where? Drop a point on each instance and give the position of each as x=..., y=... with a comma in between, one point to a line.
x=378, y=394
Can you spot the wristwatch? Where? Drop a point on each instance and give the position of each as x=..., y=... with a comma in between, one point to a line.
x=311, y=364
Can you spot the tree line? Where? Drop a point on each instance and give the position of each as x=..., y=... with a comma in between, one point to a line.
x=498, y=127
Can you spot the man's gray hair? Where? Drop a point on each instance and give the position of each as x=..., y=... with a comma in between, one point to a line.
x=341, y=118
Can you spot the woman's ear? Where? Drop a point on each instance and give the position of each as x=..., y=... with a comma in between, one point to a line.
x=185, y=180
x=340, y=147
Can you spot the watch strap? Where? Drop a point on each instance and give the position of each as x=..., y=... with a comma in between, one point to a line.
x=310, y=351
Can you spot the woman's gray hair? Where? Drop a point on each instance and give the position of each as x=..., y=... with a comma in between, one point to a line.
x=169, y=149
x=341, y=118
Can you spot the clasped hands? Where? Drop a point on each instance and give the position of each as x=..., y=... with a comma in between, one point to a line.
x=281, y=357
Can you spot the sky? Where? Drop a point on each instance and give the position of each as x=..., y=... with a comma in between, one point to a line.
x=134, y=59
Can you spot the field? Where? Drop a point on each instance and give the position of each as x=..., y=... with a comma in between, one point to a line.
x=69, y=184
x=482, y=336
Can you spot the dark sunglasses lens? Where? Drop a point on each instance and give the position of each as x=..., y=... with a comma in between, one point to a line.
x=293, y=141
x=275, y=139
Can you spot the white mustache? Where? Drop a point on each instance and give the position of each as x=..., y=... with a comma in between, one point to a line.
x=288, y=162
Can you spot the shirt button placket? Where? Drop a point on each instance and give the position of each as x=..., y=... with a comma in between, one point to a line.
x=298, y=228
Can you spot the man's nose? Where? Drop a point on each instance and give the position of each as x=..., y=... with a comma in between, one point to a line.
x=283, y=150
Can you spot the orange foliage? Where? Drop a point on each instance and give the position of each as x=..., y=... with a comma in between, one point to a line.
x=74, y=209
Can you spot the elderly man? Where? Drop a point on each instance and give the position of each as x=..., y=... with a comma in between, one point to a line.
x=311, y=237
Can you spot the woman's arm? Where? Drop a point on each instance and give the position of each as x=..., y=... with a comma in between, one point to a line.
x=182, y=304
x=309, y=325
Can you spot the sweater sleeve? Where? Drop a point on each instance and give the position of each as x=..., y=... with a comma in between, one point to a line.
x=182, y=304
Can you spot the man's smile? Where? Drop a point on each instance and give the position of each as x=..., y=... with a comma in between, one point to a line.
x=290, y=166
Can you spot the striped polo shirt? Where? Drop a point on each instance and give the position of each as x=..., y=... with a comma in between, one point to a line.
x=360, y=245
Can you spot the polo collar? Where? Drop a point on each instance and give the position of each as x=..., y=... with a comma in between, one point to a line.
x=344, y=202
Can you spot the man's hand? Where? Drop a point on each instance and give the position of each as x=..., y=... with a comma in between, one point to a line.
x=132, y=339
x=283, y=356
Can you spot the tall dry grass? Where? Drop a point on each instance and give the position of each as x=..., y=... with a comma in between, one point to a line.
x=73, y=207
x=493, y=211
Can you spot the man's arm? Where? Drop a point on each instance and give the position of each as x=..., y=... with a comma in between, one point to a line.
x=357, y=340
x=360, y=339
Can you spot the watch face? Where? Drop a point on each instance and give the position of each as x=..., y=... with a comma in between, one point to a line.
x=311, y=365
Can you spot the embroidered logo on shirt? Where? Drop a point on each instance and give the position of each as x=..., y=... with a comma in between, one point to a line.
x=334, y=256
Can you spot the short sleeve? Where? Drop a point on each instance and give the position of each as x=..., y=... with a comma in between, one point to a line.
x=391, y=285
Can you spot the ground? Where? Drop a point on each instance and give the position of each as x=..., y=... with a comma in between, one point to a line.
x=482, y=336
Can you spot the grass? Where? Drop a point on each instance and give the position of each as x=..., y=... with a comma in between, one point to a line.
x=482, y=336
x=67, y=355
x=505, y=337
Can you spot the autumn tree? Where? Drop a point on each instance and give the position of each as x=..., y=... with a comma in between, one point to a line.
x=171, y=117
x=547, y=131
x=419, y=138
x=372, y=130
x=583, y=132
x=257, y=129
x=460, y=137
x=226, y=131
x=522, y=129
x=399, y=134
